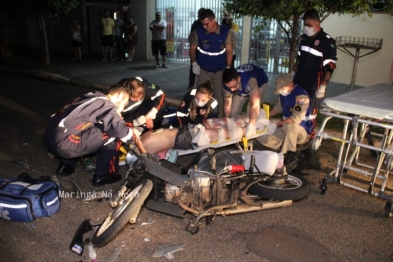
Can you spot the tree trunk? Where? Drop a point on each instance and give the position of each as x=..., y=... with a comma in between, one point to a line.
x=293, y=44
x=45, y=48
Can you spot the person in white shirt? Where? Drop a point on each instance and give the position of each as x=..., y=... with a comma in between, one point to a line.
x=158, y=42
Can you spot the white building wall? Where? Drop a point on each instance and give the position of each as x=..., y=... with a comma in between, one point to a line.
x=373, y=68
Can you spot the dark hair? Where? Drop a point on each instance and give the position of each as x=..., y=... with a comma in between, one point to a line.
x=229, y=74
x=311, y=15
x=158, y=13
x=206, y=13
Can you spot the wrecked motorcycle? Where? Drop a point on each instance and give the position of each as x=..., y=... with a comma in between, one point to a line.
x=216, y=183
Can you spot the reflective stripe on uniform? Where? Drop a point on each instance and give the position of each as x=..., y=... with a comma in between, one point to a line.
x=211, y=54
x=311, y=50
x=181, y=114
x=159, y=93
x=193, y=92
x=131, y=107
x=327, y=61
x=214, y=104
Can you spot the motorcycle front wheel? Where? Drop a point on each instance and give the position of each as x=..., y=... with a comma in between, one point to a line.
x=120, y=215
x=290, y=187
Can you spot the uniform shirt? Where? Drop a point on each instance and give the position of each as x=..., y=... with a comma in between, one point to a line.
x=296, y=106
x=92, y=110
x=183, y=112
x=158, y=35
x=316, y=56
x=152, y=92
x=107, y=26
x=252, y=77
x=212, y=43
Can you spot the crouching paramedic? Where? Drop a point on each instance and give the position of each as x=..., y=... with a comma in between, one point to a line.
x=88, y=124
x=296, y=126
x=147, y=103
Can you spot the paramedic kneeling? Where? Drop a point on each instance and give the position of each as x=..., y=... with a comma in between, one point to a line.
x=296, y=126
x=88, y=124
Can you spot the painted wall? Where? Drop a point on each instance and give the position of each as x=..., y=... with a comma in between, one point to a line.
x=373, y=68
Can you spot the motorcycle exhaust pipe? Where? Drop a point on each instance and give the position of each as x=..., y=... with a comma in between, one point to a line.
x=242, y=208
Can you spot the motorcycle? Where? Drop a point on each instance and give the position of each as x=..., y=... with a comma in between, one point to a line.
x=216, y=183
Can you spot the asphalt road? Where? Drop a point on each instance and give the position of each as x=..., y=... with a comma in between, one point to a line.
x=342, y=225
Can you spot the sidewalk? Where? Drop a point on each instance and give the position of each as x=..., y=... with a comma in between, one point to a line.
x=93, y=72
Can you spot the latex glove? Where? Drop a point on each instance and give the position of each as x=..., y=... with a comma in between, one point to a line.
x=250, y=130
x=139, y=121
x=320, y=91
x=149, y=124
x=195, y=68
x=293, y=73
x=152, y=113
x=271, y=128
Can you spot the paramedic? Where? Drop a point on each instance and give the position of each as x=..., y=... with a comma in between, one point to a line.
x=197, y=105
x=296, y=126
x=88, y=124
x=246, y=83
x=316, y=60
x=211, y=53
x=147, y=103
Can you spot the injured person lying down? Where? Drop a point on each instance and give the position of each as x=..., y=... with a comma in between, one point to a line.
x=214, y=130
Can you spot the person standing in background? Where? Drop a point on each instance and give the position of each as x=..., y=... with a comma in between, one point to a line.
x=213, y=44
x=132, y=37
x=76, y=39
x=107, y=33
x=119, y=25
x=158, y=42
x=316, y=60
x=197, y=23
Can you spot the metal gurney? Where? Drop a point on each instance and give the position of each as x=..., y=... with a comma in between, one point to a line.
x=361, y=109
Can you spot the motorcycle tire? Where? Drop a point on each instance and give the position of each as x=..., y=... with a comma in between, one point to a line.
x=120, y=215
x=294, y=187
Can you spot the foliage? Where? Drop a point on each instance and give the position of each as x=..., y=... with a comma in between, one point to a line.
x=47, y=7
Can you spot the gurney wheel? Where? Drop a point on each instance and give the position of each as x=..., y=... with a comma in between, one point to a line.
x=316, y=143
x=389, y=163
x=323, y=187
x=388, y=209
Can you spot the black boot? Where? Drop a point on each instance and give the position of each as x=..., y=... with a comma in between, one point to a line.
x=65, y=169
x=106, y=179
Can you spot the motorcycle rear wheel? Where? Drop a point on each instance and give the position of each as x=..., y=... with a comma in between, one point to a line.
x=292, y=187
x=120, y=215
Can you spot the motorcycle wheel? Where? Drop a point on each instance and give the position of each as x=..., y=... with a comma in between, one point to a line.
x=120, y=215
x=292, y=187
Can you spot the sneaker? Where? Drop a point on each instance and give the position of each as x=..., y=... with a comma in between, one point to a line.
x=129, y=60
x=158, y=65
x=104, y=59
x=164, y=66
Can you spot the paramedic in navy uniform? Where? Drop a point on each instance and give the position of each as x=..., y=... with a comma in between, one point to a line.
x=213, y=43
x=316, y=60
x=296, y=125
x=88, y=124
x=147, y=103
x=197, y=105
x=246, y=83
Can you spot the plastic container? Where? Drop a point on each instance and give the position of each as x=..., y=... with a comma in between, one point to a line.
x=266, y=161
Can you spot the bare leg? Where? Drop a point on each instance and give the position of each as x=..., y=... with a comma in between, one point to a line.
x=157, y=59
x=156, y=142
x=163, y=59
x=132, y=52
x=79, y=53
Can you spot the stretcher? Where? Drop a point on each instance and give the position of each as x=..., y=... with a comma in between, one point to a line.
x=361, y=110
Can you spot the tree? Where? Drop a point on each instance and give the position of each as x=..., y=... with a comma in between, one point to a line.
x=288, y=12
x=40, y=10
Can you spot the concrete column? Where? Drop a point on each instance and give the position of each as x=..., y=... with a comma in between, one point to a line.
x=245, y=41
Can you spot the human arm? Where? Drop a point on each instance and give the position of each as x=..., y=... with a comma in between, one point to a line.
x=135, y=30
x=229, y=48
x=255, y=103
x=193, y=38
x=227, y=105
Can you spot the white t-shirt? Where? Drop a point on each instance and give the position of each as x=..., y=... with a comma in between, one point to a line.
x=158, y=35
